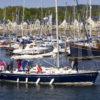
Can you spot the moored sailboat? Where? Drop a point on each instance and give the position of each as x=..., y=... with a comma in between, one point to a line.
x=43, y=75
x=89, y=48
x=83, y=51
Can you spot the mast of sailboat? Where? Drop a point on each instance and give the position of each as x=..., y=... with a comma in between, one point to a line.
x=74, y=18
x=74, y=10
x=65, y=10
x=17, y=15
x=90, y=30
x=4, y=18
x=41, y=27
x=4, y=14
x=23, y=15
x=65, y=18
x=57, y=37
x=87, y=10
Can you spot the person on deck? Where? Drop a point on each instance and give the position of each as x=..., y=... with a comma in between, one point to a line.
x=74, y=64
x=28, y=69
x=29, y=66
x=24, y=64
x=39, y=69
x=19, y=64
x=2, y=65
x=11, y=65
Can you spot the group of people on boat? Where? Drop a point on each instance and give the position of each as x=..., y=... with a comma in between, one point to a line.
x=20, y=65
x=27, y=65
x=6, y=66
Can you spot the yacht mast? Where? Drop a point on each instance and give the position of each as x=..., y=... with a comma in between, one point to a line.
x=90, y=30
x=65, y=10
x=23, y=15
x=4, y=19
x=74, y=18
x=56, y=10
x=4, y=14
x=41, y=27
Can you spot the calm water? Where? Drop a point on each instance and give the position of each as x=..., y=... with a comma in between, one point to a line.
x=13, y=91
x=9, y=91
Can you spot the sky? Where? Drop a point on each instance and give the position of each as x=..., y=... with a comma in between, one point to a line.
x=42, y=3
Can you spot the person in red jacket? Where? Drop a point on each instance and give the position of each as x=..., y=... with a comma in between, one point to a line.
x=39, y=69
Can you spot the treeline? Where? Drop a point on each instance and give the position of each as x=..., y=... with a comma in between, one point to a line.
x=69, y=12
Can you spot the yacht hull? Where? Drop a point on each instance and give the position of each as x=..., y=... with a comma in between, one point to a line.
x=76, y=78
x=83, y=51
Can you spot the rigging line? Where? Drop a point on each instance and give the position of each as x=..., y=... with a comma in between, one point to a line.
x=84, y=22
x=49, y=63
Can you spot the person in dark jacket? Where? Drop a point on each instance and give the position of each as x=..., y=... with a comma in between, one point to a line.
x=75, y=64
x=11, y=65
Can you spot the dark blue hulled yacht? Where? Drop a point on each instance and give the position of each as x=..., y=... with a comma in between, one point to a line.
x=61, y=76
x=51, y=75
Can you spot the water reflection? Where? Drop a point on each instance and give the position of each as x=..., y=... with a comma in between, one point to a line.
x=19, y=91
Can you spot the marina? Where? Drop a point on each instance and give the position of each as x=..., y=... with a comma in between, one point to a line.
x=50, y=52
x=67, y=75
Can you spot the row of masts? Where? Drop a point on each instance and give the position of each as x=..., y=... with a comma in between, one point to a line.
x=24, y=26
x=30, y=26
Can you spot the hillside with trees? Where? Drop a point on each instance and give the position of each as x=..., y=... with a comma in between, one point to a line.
x=16, y=12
